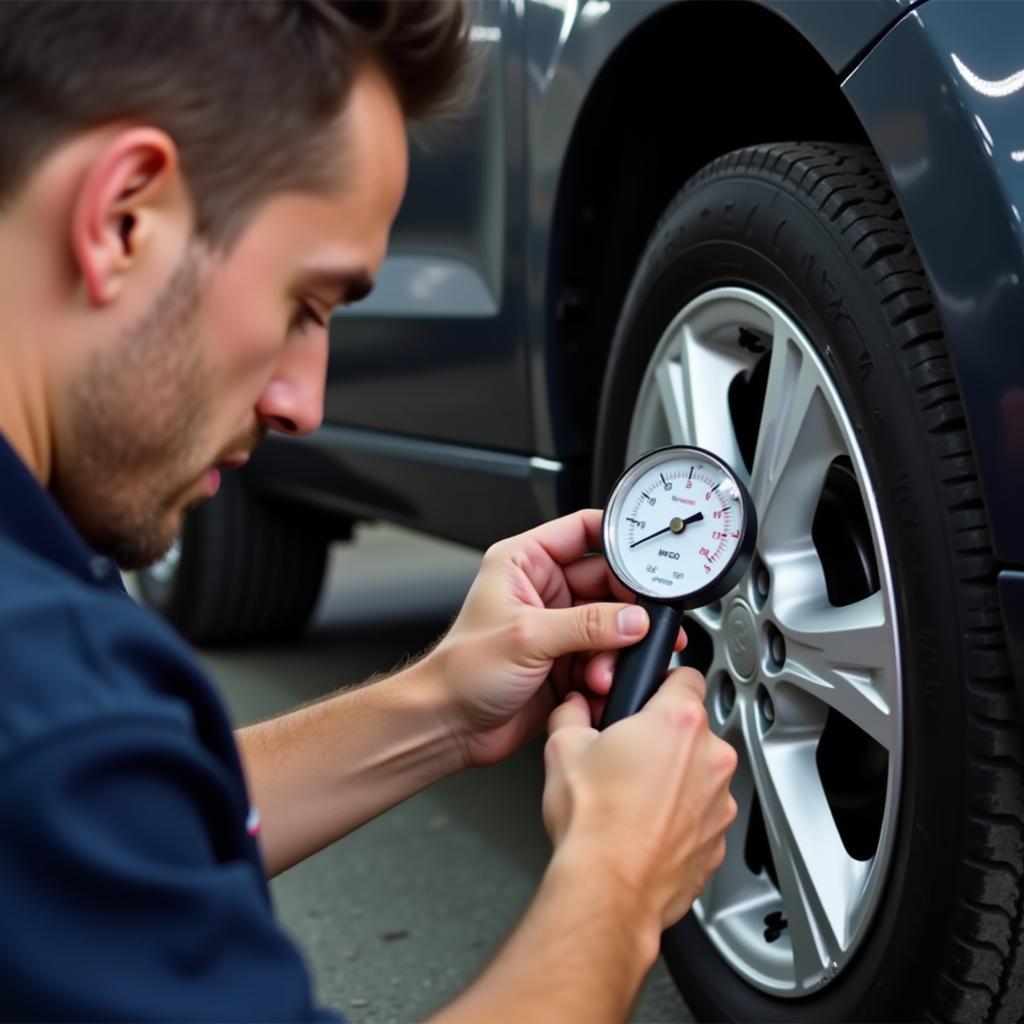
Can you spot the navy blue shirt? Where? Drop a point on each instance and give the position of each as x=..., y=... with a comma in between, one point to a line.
x=130, y=887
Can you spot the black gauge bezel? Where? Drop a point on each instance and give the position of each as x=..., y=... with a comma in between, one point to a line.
x=738, y=561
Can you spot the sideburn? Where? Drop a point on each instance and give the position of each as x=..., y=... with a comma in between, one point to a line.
x=137, y=413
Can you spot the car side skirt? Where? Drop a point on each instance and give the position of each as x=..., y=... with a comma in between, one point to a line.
x=471, y=495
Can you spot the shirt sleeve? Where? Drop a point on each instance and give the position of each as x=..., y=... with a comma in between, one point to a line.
x=127, y=892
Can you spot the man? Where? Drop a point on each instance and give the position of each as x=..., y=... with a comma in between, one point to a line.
x=186, y=190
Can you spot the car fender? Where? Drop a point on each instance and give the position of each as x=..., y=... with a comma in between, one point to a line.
x=942, y=100
x=567, y=43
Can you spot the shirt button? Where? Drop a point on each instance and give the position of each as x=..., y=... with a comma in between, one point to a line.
x=99, y=567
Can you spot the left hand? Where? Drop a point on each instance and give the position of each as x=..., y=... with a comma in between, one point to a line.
x=536, y=623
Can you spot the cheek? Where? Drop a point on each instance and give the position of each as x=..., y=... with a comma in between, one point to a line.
x=247, y=346
x=247, y=317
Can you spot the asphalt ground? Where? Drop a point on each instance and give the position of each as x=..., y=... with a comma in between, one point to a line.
x=398, y=917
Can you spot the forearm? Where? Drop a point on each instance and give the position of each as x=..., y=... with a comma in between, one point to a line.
x=578, y=956
x=325, y=769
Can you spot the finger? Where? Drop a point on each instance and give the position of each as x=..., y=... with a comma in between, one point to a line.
x=573, y=712
x=681, y=683
x=567, y=539
x=599, y=671
x=588, y=627
x=591, y=578
x=681, y=641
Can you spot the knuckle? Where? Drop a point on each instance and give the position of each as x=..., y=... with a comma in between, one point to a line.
x=731, y=810
x=555, y=744
x=725, y=758
x=520, y=630
x=688, y=715
x=590, y=622
x=494, y=553
x=717, y=855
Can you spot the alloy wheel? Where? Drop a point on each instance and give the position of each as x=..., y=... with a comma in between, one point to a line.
x=802, y=657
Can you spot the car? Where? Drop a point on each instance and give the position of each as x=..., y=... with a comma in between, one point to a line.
x=788, y=231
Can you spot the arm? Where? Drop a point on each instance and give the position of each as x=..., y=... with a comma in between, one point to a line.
x=579, y=954
x=637, y=814
x=490, y=684
x=323, y=770
x=126, y=862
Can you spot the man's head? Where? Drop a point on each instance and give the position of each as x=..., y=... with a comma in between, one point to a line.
x=186, y=190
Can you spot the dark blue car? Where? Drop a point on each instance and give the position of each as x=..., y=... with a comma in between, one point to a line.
x=789, y=232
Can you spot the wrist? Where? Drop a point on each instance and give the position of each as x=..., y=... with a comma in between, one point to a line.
x=613, y=897
x=420, y=687
x=435, y=673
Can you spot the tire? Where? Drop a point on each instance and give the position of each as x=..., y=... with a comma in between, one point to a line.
x=814, y=232
x=245, y=568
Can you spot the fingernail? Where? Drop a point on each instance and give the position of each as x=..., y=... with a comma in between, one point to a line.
x=632, y=621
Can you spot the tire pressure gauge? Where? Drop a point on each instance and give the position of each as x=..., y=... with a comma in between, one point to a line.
x=679, y=531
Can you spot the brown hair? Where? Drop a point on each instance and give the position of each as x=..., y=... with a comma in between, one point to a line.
x=246, y=88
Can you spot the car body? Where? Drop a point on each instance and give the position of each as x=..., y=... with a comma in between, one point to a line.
x=462, y=395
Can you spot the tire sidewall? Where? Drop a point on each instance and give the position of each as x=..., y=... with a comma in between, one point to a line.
x=202, y=528
x=741, y=230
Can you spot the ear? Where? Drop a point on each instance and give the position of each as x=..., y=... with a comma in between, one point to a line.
x=130, y=190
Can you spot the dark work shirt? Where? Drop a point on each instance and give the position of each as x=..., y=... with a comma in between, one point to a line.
x=130, y=887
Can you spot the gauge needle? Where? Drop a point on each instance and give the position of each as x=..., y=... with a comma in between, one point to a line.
x=676, y=526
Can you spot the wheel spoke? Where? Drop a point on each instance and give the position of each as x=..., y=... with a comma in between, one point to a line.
x=732, y=885
x=706, y=374
x=670, y=394
x=819, y=881
x=798, y=439
x=845, y=657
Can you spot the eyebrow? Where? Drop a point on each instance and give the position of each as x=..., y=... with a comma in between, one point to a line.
x=347, y=285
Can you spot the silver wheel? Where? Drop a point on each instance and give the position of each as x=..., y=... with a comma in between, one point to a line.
x=803, y=669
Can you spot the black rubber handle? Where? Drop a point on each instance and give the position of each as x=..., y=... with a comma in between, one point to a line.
x=642, y=667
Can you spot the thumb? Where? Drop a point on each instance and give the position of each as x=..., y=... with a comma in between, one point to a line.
x=572, y=713
x=599, y=626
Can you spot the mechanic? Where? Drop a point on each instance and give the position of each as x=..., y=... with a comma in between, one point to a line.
x=186, y=191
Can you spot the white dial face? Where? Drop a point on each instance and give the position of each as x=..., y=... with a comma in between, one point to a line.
x=674, y=524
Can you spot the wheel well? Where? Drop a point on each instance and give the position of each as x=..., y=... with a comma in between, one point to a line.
x=691, y=83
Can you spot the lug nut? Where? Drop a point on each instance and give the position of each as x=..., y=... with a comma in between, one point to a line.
x=767, y=707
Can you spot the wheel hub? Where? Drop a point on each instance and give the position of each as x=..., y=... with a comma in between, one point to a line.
x=741, y=644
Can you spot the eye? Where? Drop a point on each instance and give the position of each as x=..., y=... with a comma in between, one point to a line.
x=305, y=317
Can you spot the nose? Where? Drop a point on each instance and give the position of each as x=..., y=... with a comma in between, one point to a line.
x=293, y=400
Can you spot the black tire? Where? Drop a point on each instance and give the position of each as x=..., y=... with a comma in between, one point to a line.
x=816, y=227
x=250, y=569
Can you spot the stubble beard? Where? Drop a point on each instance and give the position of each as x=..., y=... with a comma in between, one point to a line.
x=138, y=416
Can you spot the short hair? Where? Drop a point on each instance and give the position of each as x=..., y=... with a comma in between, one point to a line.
x=247, y=89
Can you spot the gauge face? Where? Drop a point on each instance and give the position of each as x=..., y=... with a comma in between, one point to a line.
x=679, y=526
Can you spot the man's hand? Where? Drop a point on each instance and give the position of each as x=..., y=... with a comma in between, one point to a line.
x=637, y=814
x=647, y=800
x=536, y=624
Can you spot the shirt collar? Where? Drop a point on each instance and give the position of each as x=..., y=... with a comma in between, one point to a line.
x=32, y=519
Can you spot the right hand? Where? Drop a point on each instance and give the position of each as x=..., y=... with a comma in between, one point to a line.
x=647, y=799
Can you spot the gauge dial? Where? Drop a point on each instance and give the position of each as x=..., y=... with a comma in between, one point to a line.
x=679, y=526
